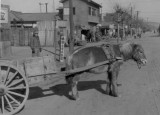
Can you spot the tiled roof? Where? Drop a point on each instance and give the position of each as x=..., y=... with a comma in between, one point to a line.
x=38, y=16
x=15, y=15
x=32, y=16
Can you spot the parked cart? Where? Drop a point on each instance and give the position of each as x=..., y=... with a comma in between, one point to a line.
x=16, y=77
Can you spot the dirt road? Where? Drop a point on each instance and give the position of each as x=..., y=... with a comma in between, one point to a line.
x=139, y=89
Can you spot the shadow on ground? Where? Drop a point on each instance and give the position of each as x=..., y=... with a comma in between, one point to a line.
x=63, y=89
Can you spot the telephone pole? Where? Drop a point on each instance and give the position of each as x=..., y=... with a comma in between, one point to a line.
x=101, y=14
x=46, y=7
x=53, y=6
x=40, y=4
x=71, y=39
x=137, y=21
x=131, y=20
x=137, y=15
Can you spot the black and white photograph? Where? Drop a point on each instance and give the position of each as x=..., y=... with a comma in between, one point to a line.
x=79, y=57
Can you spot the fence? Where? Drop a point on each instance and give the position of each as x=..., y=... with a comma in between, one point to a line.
x=46, y=37
x=5, y=45
x=4, y=34
x=21, y=37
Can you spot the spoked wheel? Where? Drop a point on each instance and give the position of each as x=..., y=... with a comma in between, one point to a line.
x=14, y=90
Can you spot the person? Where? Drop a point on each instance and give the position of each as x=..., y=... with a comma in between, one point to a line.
x=35, y=44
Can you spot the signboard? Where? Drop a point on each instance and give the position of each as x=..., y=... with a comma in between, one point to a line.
x=62, y=48
x=3, y=15
x=111, y=26
x=66, y=11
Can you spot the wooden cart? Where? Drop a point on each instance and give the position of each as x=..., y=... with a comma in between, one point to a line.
x=15, y=80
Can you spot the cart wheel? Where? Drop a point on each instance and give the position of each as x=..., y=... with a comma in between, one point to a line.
x=14, y=90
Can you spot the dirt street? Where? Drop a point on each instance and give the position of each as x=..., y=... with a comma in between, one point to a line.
x=139, y=91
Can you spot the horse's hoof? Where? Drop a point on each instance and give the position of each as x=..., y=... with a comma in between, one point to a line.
x=75, y=97
x=107, y=92
x=114, y=94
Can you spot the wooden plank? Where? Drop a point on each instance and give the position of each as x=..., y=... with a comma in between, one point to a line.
x=81, y=69
x=39, y=66
x=34, y=66
x=49, y=64
x=61, y=75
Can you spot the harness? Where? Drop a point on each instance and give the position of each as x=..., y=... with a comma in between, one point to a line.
x=109, y=52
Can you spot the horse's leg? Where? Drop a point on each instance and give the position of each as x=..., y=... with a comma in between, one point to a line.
x=114, y=84
x=74, y=89
x=108, y=83
x=114, y=75
x=75, y=94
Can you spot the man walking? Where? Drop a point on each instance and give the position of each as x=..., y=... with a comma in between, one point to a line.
x=35, y=44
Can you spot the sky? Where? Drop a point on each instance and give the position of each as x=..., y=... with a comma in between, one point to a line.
x=148, y=9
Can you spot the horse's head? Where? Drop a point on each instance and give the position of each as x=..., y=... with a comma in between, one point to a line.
x=139, y=55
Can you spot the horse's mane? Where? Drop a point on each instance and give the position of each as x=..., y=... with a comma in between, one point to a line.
x=126, y=48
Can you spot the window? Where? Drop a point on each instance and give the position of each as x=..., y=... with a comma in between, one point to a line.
x=89, y=11
x=92, y=11
x=74, y=11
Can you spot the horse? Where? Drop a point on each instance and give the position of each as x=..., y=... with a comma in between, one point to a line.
x=90, y=55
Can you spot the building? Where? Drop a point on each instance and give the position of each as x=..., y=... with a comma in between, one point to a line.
x=48, y=25
x=85, y=12
x=28, y=20
x=5, y=36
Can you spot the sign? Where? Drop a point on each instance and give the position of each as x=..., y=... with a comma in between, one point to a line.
x=111, y=26
x=62, y=48
x=4, y=15
x=66, y=11
x=119, y=18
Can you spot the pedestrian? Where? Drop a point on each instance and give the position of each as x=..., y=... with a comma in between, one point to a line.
x=35, y=44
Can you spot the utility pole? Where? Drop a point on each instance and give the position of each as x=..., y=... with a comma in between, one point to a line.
x=118, y=26
x=55, y=37
x=53, y=6
x=137, y=20
x=131, y=20
x=40, y=4
x=101, y=14
x=46, y=7
x=71, y=39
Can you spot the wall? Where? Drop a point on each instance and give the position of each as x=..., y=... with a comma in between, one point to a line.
x=81, y=8
x=82, y=16
x=21, y=36
x=5, y=44
x=6, y=25
x=46, y=31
